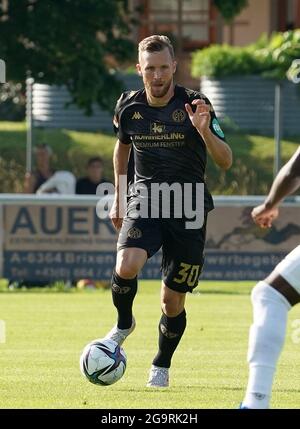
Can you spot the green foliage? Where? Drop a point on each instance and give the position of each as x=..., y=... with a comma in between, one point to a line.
x=268, y=57
x=251, y=173
x=222, y=60
x=252, y=169
x=230, y=8
x=71, y=151
x=12, y=102
x=11, y=174
x=283, y=49
x=72, y=43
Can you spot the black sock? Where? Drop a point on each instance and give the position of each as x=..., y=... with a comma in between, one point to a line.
x=170, y=330
x=123, y=293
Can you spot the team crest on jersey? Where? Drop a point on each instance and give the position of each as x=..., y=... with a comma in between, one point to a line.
x=178, y=115
x=137, y=115
x=157, y=128
x=134, y=233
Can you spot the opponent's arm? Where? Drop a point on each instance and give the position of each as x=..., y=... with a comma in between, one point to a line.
x=120, y=161
x=217, y=148
x=286, y=182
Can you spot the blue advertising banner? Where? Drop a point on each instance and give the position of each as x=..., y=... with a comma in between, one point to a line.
x=61, y=242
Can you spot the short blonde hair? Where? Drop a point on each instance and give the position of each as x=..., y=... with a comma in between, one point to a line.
x=156, y=43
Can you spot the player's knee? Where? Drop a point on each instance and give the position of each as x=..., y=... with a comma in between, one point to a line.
x=130, y=262
x=126, y=267
x=171, y=306
x=258, y=292
x=126, y=271
x=263, y=295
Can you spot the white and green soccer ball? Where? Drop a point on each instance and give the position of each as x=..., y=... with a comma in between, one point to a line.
x=103, y=362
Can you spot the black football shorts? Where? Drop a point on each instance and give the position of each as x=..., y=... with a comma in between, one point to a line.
x=183, y=249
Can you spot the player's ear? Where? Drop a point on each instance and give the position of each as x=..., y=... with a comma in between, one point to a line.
x=138, y=68
x=174, y=66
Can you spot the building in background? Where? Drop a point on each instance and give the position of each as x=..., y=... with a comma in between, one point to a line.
x=194, y=24
x=191, y=25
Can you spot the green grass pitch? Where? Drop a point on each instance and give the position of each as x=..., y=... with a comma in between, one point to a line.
x=45, y=332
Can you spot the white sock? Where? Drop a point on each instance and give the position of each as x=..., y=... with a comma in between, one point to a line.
x=266, y=339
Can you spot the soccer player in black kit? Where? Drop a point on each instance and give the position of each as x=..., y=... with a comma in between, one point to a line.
x=169, y=129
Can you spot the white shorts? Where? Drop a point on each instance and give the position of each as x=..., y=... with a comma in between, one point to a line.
x=289, y=268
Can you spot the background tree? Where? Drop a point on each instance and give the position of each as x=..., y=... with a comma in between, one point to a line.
x=76, y=43
x=230, y=8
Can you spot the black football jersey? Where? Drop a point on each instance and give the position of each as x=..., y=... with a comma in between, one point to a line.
x=166, y=146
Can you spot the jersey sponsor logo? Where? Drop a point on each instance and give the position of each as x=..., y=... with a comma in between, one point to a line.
x=120, y=290
x=165, y=136
x=159, y=144
x=137, y=115
x=134, y=233
x=157, y=128
x=178, y=115
x=217, y=128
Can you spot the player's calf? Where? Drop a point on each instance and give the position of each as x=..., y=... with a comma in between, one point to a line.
x=170, y=330
x=123, y=293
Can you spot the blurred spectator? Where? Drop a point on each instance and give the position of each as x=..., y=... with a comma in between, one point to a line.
x=88, y=184
x=43, y=170
x=62, y=182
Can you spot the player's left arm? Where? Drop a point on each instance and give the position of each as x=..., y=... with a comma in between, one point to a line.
x=204, y=120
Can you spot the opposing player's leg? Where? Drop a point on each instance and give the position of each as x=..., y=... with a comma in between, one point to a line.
x=271, y=300
x=182, y=264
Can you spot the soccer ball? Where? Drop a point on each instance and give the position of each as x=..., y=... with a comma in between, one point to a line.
x=103, y=362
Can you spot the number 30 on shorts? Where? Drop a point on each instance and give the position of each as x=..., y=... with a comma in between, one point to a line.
x=188, y=273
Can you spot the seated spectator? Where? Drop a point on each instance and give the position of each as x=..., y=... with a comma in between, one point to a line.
x=62, y=182
x=43, y=170
x=88, y=184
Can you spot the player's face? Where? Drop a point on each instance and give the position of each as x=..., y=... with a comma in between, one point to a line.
x=157, y=70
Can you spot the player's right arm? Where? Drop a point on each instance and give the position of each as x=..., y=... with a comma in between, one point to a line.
x=286, y=182
x=120, y=160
